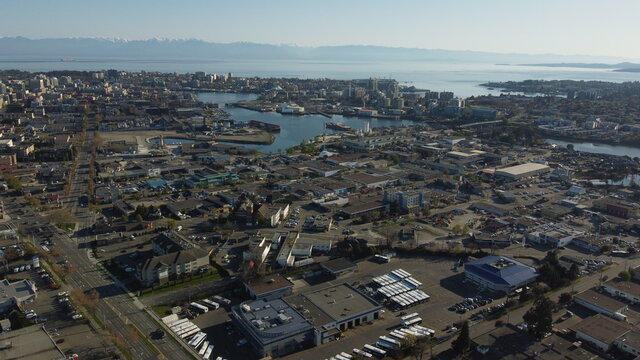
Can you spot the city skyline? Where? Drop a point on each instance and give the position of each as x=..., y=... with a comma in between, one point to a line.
x=542, y=27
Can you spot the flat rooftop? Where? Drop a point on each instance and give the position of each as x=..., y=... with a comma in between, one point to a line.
x=29, y=343
x=602, y=328
x=522, y=169
x=339, y=265
x=272, y=320
x=601, y=300
x=269, y=283
x=332, y=304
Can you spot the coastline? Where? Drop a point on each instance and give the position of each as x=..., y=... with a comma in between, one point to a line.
x=630, y=143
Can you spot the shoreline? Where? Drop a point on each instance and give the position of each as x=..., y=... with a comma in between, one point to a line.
x=631, y=143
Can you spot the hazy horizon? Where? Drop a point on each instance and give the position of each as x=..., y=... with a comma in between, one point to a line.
x=569, y=27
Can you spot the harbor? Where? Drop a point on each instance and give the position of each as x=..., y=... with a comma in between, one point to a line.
x=294, y=129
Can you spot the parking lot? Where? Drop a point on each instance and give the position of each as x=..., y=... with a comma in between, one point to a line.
x=72, y=336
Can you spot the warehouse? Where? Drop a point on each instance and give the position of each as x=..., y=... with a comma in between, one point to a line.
x=272, y=327
x=335, y=309
x=499, y=273
x=518, y=172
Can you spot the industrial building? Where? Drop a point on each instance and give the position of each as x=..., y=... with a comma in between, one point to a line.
x=278, y=327
x=335, y=309
x=602, y=304
x=339, y=268
x=518, y=172
x=273, y=327
x=499, y=273
x=16, y=293
x=29, y=343
x=601, y=331
x=269, y=287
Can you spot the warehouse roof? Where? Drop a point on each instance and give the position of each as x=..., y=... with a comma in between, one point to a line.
x=600, y=300
x=522, y=169
x=602, y=328
x=501, y=270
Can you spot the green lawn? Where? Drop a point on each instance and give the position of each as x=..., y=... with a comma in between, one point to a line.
x=181, y=284
x=66, y=226
x=162, y=310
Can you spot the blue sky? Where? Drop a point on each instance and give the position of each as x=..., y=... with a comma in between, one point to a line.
x=569, y=27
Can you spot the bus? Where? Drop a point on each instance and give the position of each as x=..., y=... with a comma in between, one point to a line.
x=374, y=350
x=382, y=259
x=201, y=309
x=362, y=353
x=386, y=344
x=207, y=353
x=198, y=339
x=212, y=304
x=345, y=355
x=393, y=341
x=409, y=316
x=413, y=321
x=203, y=349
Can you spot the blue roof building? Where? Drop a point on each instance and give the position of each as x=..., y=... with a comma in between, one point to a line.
x=499, y=273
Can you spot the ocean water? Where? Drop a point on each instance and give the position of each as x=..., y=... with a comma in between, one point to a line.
x=461, y=78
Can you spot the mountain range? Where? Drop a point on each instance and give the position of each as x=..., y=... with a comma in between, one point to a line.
x=20, y=48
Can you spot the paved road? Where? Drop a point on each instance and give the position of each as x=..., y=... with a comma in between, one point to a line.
x=116, y=309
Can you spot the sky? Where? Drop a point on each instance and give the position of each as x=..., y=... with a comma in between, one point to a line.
x=566, y=27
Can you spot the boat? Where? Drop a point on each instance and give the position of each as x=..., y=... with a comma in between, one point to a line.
x=265, y=126
x=338, y=126
x=66, y=60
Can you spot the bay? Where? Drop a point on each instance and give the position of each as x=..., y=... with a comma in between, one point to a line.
x=295, y=128
x=598, y=148
x=461, y=78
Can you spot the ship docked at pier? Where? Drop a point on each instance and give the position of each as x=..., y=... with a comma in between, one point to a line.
x=338, y=126
x=265, y=126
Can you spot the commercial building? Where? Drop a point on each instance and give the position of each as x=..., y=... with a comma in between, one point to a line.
x=273, y=327
x=629, y=342
x=29, y=343
x=626, y=289
x=16, y=293
x=335, y=309
x=270, y=287
x=518, y=172
x=602, y=304
x=339, y=268
x=600, y=331
x=614, y=207
x=499, y=273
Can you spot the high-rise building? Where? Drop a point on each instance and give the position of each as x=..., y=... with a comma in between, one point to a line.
x=393, y=91
x=373, y=84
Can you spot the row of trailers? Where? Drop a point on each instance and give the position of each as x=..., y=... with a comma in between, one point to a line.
x=393, y=341
x=188, y=331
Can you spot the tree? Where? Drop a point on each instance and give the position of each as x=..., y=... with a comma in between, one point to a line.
x=624, y=275
x=574, y=272
x=565, y=298
x=408, y=342
x=12, y=182
x=139, y=218
x=539, y=317
x=463, y=342
x=570, y=147
x=421, y=346
x=456, y=229
x=540, y=288
x=171, y=224
x=33, y=201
